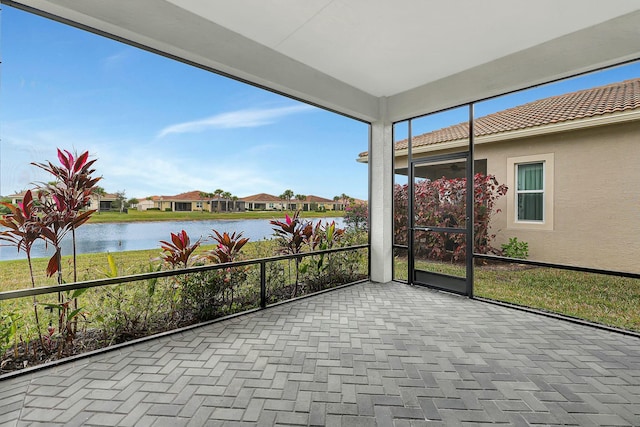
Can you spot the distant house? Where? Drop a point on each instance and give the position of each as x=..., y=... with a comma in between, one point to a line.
x=263, y=202
x=191, y=201
x=186, y=202
x=571, y=163
x=102, y=203
x=314, y=203
x=17, y=197
x=145, y=204
x=183, y=202
x=269, y=202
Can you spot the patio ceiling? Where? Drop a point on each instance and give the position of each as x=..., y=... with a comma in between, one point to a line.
x=374, y=59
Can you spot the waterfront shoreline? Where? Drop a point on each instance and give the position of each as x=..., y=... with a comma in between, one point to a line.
x=156, y=216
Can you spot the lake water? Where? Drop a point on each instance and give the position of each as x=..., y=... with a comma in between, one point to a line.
x=116, y=237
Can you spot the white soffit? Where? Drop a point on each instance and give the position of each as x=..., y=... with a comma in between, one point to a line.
x=385, y=48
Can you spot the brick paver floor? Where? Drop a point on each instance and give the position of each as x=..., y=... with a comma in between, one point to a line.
x=366, y=355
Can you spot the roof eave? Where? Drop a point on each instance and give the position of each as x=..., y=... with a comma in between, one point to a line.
x=566, y=126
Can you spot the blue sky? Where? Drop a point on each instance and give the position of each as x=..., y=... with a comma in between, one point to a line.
x=157, y=126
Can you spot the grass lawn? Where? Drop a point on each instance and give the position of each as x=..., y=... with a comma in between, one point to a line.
x=609, y=300
x=135, y=215
x=15, y=274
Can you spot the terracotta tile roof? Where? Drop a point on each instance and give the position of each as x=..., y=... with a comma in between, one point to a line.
x=104, y=197
x=188, y=196
x=17, y=195
x=317, y=199
x=262, y=197
x=598, y=101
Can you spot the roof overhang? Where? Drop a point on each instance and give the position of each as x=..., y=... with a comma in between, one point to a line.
x=372, y=59
x=568, y=126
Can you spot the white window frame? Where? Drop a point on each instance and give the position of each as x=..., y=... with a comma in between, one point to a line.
x=541, y=191
x=513, y=222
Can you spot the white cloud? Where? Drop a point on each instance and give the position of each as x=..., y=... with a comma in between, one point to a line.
x=144, y=172
x=235, y=119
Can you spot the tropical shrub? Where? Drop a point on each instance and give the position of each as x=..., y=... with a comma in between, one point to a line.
x=178, y=251
x=356, y=216
x=292, y=234
x=59, y=207
x=515, y=248
x=3, y=208
x=438, y=203
x=9, y=332
x=228, y=246
x=133, y=310
x=316, y=272
x=210, y=294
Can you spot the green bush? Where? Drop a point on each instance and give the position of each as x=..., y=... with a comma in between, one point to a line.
x=4, y=209
x=515, y=249
x=211, y=294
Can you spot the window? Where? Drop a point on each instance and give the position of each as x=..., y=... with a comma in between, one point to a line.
x=182, y=206
x=199, y=205
x=530, y=195
x=530, y=190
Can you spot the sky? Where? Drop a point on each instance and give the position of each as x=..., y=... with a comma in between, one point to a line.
x=160, y=127
x=157, y=126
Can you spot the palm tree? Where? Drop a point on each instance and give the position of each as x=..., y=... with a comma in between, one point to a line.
x=343, y=199
x=286, y=196
x=302, y=198
x=234, y=199
x=202, y=196
x=217, y=194
x=226, y=196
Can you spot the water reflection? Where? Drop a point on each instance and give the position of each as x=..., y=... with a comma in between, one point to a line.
x=116, y=237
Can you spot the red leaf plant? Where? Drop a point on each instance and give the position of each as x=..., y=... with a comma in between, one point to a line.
x=439, y=203
x=228, y=246
x=23, y=228
x=56, y=209
x=178, y=252
x=62, y=202
x=292, y=233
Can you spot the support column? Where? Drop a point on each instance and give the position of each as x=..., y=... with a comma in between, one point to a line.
x=381, y=197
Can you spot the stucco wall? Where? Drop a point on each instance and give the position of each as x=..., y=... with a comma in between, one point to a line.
x=596, y=196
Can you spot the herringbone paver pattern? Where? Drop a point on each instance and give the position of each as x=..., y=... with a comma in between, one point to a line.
x=366, y=355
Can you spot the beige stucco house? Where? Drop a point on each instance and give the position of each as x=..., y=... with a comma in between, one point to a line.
x=191, y=201
x=98, y=202
x=263, y=202
x=583, y=149
x=17, y=197
x=269, y=202
x=313, y=203
x=102, y=202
